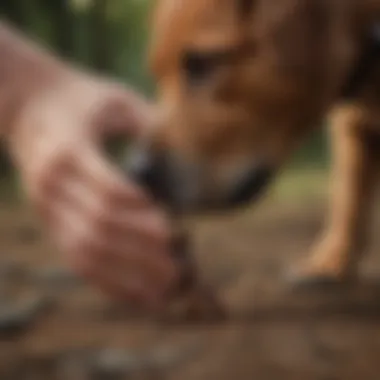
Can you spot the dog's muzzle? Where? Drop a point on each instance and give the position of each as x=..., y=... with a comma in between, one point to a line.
x=251, y=187
x=150, y=171
x=155, y=174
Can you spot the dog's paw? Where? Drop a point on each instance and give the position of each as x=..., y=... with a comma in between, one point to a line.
x=319, y=275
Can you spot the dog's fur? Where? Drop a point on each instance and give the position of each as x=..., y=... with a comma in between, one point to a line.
x=291, y=59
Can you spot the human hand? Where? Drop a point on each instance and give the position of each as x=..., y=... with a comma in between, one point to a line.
x=108, y=230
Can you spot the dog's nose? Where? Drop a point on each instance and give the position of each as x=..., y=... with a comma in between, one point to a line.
x=252, y=186
x=149, y=171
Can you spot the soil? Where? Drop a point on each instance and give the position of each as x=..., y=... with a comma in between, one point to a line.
x=53, y=326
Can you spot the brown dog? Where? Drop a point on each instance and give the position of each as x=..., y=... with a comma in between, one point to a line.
x=241, y=83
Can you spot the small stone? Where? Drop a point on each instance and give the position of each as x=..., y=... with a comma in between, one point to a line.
x=115, y=364
x=103, y=364
x=167, y=357
x=15, y=318
x=38, y=305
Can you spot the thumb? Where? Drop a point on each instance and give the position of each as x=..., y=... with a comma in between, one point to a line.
x=123, y=112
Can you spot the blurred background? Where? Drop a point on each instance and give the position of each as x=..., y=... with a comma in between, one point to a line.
x=108, y=36
x=53, y=326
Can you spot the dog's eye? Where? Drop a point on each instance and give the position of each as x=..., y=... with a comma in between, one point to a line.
x=199, y=66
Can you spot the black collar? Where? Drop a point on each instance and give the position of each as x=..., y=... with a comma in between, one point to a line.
x=366, y=63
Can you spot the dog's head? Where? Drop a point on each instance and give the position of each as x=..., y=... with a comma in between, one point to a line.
x=240, y=82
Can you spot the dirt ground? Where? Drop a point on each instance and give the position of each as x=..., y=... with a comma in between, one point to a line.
x=52, y=326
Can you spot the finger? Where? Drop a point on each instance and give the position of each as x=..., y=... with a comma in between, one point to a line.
x=91, y=250
x=127, y=280
x=47, y=169
x=137, y=236
x=122, y=112
x=48, y=189
x=118, y=218
x=107, y=180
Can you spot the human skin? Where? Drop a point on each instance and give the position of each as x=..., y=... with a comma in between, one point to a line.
x=53, y=117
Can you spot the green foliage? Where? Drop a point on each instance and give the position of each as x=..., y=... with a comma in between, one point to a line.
x=106, y=35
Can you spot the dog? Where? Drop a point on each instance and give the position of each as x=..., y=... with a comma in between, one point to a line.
x=241, y=84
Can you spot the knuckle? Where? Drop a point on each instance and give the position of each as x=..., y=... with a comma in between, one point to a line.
x=100, y=217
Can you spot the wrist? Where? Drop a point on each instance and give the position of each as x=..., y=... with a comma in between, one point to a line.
x=25, y=71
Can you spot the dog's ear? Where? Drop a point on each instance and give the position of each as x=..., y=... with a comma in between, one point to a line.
x=244, y=8
x=301, y=34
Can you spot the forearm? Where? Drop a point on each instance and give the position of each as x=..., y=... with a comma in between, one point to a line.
x=25, y=70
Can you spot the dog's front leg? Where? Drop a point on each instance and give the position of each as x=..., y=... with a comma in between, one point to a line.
x=337, y=253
